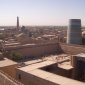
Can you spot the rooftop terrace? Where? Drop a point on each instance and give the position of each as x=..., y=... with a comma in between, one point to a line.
x=35, y=70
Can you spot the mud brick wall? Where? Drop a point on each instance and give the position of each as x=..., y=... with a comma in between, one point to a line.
x=72, y=49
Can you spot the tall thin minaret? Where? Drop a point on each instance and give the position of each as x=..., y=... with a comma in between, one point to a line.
x=17, y=23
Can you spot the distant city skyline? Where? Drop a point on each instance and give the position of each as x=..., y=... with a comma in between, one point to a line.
x=41, y=12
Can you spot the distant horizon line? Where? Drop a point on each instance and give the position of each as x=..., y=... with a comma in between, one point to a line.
x=29, y=25
x=36, y=26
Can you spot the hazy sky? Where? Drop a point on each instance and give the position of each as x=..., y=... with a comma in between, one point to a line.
x=41, y=12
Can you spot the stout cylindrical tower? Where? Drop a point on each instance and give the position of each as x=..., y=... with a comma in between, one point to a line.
x=74, y=35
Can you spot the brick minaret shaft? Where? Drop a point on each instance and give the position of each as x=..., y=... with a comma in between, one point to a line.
x=17, y=23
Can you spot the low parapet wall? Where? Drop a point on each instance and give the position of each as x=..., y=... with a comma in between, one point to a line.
x=72, y=49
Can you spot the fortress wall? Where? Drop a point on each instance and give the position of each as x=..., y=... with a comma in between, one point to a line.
x=72, y=49
x=48, y=48
x=37, y=50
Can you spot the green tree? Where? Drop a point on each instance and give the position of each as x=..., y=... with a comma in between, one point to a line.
x=15, y=56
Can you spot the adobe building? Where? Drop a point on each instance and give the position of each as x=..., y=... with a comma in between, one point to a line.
x=5, y=80
x=78, y=62
x=7, y=72
x=46, y=72
x=8, y=66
